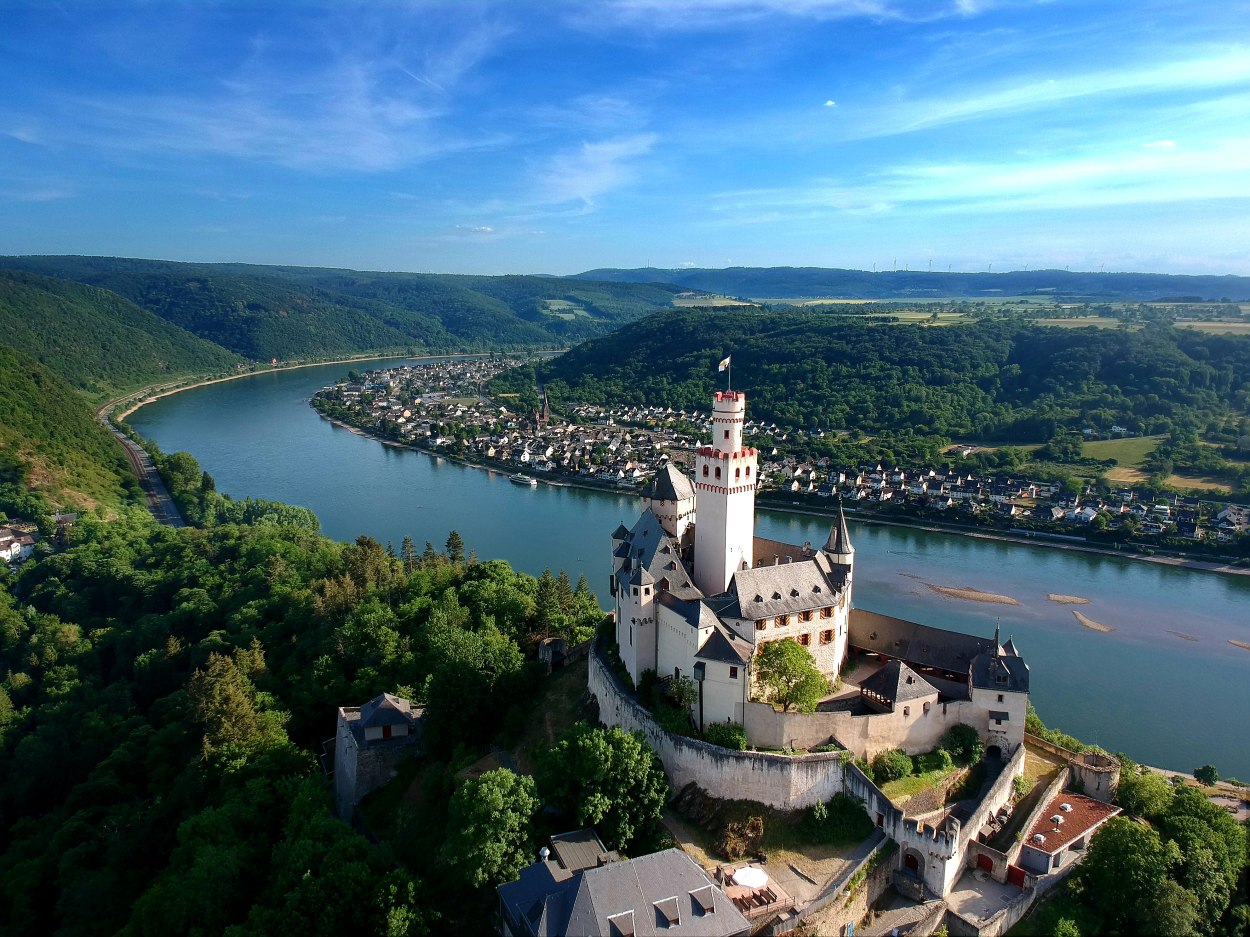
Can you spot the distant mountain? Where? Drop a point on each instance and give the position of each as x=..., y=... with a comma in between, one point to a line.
x=285, y=312
x=96, y=340
x=814, y=282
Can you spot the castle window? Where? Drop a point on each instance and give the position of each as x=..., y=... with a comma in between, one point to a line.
x=726, y=434
x=718, y=471
x=826, y=612
x=781, y=621
x=748, y=471
x=705, y=471
x=737, y=473
x=761, y=624
x=733, y=673
x=906, y=710
x=1000, y=697
x=805, y=639
x=805, y=615
x=826, y=636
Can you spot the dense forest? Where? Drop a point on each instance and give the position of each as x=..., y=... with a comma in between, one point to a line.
x=289, y=312
x=796, y=282
x=994, y=380
x=96, y=340
x=163, y=695
x=53, y=451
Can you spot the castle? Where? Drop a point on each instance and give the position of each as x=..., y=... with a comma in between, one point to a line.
x=697, y=594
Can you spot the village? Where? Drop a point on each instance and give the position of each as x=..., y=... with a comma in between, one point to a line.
x=441, y=407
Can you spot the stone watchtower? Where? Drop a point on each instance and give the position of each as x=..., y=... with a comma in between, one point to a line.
x=725, y=477
x=369, y=743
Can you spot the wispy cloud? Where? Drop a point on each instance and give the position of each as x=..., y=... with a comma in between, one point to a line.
x=717, y=14
x=354, y=103
x=593, y=169
x=1127, y=176
x=1222, y=68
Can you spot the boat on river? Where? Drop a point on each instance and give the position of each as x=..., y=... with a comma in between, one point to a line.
x=525, y=480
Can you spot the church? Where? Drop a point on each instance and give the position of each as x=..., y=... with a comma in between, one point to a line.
x=697, y=594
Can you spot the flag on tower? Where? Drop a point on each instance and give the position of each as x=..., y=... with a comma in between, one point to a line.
x=723, y=365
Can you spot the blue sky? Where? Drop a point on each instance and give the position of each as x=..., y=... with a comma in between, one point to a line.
x=521, y=137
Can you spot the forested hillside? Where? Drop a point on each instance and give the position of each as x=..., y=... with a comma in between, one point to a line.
x=95, y=339
x=990, y=380
x=164, y=695
x=287, y=312
x=796, y=282
x=52, y=445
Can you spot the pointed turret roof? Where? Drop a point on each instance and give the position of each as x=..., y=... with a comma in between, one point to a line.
x=669, y=484
x=839, y=537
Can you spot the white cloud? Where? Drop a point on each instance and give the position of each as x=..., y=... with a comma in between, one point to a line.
x=1227, y=67
x=831, y=103
x=1114, y=177
x=717, y=14
x=593, y=169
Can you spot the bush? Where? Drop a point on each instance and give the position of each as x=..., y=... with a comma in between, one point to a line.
x=727, y=735
x=738, y=839
x=891, y=765
x=842, y=821
x=963, y=743
x=936, y=760
x=1020, y=784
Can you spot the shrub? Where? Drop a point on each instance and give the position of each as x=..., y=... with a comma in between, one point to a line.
x=1207, y=775
x=963, y=743
x=727, y=735
x=891, y=765
x=1020, y=784
x=842, y=821
x=936, y=760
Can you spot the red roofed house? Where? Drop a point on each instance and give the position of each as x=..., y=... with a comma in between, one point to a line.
x=1064, y=829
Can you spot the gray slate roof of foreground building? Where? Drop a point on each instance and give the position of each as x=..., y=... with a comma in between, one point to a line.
x=664, y=893
x=669, y=484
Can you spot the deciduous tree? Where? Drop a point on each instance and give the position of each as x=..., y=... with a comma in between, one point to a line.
x=788, y=676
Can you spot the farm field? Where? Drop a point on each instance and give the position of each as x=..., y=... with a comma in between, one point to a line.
x=1128, y=452
x=1218, y=328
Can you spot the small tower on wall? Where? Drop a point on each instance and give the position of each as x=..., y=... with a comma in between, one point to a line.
x=725, y=477
x=840, y=550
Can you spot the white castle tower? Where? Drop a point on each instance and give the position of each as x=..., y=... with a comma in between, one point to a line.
x=724, y=480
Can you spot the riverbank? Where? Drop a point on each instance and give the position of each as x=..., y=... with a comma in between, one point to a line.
x=146, y=395
x=811, y=511
x=931, y=527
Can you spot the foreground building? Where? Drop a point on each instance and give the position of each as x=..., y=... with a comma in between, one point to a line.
x=579, y=889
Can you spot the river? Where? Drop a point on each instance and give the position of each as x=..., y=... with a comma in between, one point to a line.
x=1171, y=701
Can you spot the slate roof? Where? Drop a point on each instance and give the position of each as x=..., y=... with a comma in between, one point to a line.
x=669, y=484
x=386, y=710
x=664, y=893
x=650, y=551
x=919, y=645
x=898, y=683
x=1000, y=672
x=766, y=591
x=839, y=537
x=724, y=646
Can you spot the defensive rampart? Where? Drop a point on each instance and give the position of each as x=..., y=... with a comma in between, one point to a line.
x=787, y=782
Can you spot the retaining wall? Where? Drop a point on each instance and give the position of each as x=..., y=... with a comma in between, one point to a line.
x=782, y=781
x=918, y=731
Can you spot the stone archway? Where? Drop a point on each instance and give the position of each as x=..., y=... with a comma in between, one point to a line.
x=913, y=862
x=993, y=752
